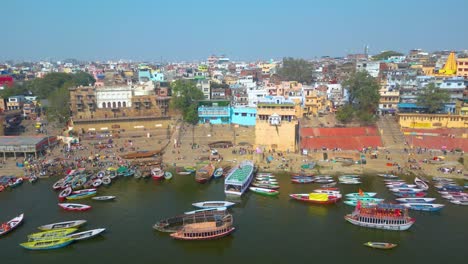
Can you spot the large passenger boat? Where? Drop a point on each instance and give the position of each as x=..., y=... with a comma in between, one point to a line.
x=204, y=230
x=381, y=216
x=239, y=178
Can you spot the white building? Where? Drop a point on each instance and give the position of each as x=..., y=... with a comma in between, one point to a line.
x=114, y=96
x=372, y=67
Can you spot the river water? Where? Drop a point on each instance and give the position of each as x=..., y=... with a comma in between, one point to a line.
x=269, y=229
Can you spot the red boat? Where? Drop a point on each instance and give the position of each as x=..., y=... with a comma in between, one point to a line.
x=317, y=198
x=205, y=173
x=157, y=174
x=74, y=207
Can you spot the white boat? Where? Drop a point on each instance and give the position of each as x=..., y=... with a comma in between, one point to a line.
x=239, y=178
x=103, y=198
x=213, y=204
x=415, y=200
x=106, y=180
x=97, y=182
x=74, y=206
x=455, y=197
x=84, y=191
x=424, y=206
x=184, y=172
x=421, y=184
x=65, y=192
x=86, y=234
x=393, y=180
x=11, y=225
x=401, y=185
x=388, y=176
x=364, y=194
x=67, y=224
x=329, y=192
x=406, y=190
x=459, y=202
x=206, y=210
x=349, y=182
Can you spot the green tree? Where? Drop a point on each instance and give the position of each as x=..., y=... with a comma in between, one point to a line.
x=185, y=97
x=345, y=114
x=296, y=70
x=386, y=54
x=432, y=97
x=58, y=105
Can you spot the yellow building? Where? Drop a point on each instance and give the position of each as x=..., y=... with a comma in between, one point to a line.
x=462, y=67
x=430, y=121
x=314, y=103
x=267, y=68
x=449, y=69
x=276, y=125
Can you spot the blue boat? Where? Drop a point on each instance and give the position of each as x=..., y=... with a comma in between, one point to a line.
x=424, y=206
x=451, y=188
x=409, y=194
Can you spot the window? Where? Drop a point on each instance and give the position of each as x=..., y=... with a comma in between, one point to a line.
x=244, y=114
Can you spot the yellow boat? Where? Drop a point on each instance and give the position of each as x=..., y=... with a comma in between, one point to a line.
x=51, y=234
x=47, y=244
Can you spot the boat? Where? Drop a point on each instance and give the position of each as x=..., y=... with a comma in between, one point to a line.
x=47, y=244
x=366, y=199
x=97, y=182
x=453, y=193
x=322, y=177
x=141, y=154
x=451, y=188
x=106, y=180
x=328, y=185
x=128, y=173
x=157, y=174
x=206, y=230
x=387, y=176
x=65, y=192
x=190, y=169
x=9, y=226
x=459, y=202
x=336, y=193
x=15, y=183
x=380, y=245
x=393, y=180
x=58, y=184
x=267, y=186
x=205, y=173
x=218, y=172
x=267, y=182
x=101, y=174
x=81, y=195
x=361, y=194
x=348, y=178
x=60, y=225
x=406, y=190
x=86, y=234
x=264, y=191
x=381, y=216
x=401, y=185
x=206, y=210
x=84, y=191
x=211, y=204
x=239, y=178
x=323, y=180
x=421, y=184
x=51, y=234
x=33, y=179
x=303, y=180
x=424, y=206
x=167, y=175
x=355, y=202
x=104, y=198
x=455, y=197
x=177, y=222
x=316, y=198
x=350, y=182
x=74, y=206
x=415, y=200
x=409, y=194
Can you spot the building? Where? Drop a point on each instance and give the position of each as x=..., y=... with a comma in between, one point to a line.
x=462, y=67
x=15, y=102
x=431, y=121
x=214, y=112
x=25, y=144
x=204, y=86
x=276, y=124
x=371, y=67
x=388, y=102
x=243, y=115
x=314, y=103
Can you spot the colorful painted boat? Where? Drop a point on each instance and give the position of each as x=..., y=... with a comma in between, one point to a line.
x=86, y=234
x=366, y=199
x=211, y=204
x=51, y=234
x=361, y=194
x=406, y=190
x=190, y=169
x=157, y=174
x=459, y=202
x=60, y=225
x=81, y=195
x=218, y=172
x=429, y=207
x=355, y=202
x=400, y=185
x=47, y=244
x=381, y=216
x=421, y=184
x=74, y=206
x=84, y=191
x=65, y=193
x=238, y=179
x=267, y=186
x=9, y=226
x=409, y=194
x=380, y=245
x=264, y=191
x=316, y=198
x=15, y=183
x=206, y=230
x=167, y=175
x=302, y=180
x=205, y=173
x=415, y=200
x=388, y=176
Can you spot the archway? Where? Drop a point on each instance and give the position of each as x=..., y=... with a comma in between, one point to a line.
x=103, y=105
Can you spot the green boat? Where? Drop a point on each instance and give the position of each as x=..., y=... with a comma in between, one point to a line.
x=47, y=244
x=47, y=235
x=380, y=245
x=354, y=202
x=264, y=191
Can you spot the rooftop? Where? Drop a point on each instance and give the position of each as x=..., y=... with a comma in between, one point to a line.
x=240, y=174
x=20, y=140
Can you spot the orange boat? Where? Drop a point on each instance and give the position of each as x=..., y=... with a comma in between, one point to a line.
x=205, y=173
x=206, y=230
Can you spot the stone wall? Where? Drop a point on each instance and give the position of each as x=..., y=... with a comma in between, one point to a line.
x=282, y=137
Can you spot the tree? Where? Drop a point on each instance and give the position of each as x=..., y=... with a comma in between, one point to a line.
x=185, y=97
x=345, y=114
x=296, y=70
x=58, y=105
x=432, y=97
x=386, y=54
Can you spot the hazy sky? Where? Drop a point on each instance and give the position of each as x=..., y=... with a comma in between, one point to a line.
x=241, y=29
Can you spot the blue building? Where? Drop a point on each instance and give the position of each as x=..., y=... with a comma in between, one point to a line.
x=214, y=112
x=147, y=74
x=243, y=115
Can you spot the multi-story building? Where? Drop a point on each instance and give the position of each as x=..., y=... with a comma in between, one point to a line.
x=243, y=115
x=314, y=103
x=214, y=112
x=388, y=102
x=462, y=67
x=204, y=86
x=371, y=67
x=15, y=102
x=276, y=124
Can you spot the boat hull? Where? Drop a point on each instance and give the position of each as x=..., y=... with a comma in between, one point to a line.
x=401, y=227
x=220, y=235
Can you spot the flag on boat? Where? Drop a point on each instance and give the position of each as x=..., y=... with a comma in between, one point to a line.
x=361, y=193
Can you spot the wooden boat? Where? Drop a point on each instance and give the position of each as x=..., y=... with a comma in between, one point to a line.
x=15, y=183
x=381, y=216
x=366, y=199
x=303, y=181
x=317, y=198
x=97, y=183
x=329, y=191
x=218, y=172
x=393, y=180
x=263, y=178
x=81, y=195
x=167, y=175
x=103, y=198
x=401, y=185
x=264, y=191
x=323, y=180
x=350, y=182
x=361, y=194
x=409, y=194
x=322, y=177
x=47, y=244
x=184, y=172
x=268, y=182
x=190, y=169
x=206, y=230
x=157, y=174
x=101, y=174
x=106, y=180
x=74, y=206
x=421, y=184
x=51, y=234
x=453, y=193
x=60, y=225
x=141, y=154
x=84, y=191
x=211, y=204
x=459, y=202
x=9, y=226
x=406, y=190
x=267, y=186
x=205, y=173
x=328, y=185
x=415, y=200
x=86, y=234
x=65, y=192
x=429, y=207
x=206, y=210
x=176, y=223
x=380, y=245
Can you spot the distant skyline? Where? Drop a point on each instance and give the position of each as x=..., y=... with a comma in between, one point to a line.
x=185, y=30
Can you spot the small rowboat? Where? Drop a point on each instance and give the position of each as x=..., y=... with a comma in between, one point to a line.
x=15, y=183
x=424, y=206
x=65, y=192
x=10, y=225
x=323, y=199
x=184, y=172
x=47, y=244
x=380, y=245
x=268, y=182
x=406, y=190
x=303, y=181
x=167, y=175
x=354, y=202
x=211, y=204
x=323, y=180
x=86, y=234
x=264, y=191
x=267, y=186
x=207, y=210
x=74, y=206
x=190, y=169
x=263, y=178
x=388, y=176
x=328, y=185
x=400, y=185
x=51, y=234
x=103, y=198
x=421, y=184
x=97, y=183
x=81, y=196
x=106, y=180
x=366, y=199
x=101, y=174
x=350, y=182
x=415, y=200
x=60, y=225
x=410, y=194
x=157, y=174
x=84, y=191
x=364, y=194
x=459, y=202
x=58, y=184
x=218, y=172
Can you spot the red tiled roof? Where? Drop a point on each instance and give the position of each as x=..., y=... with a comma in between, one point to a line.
x=349, y=138
x=437, y=142
x=345, y=131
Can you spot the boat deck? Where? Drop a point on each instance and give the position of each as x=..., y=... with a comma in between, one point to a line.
x=240, y=174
